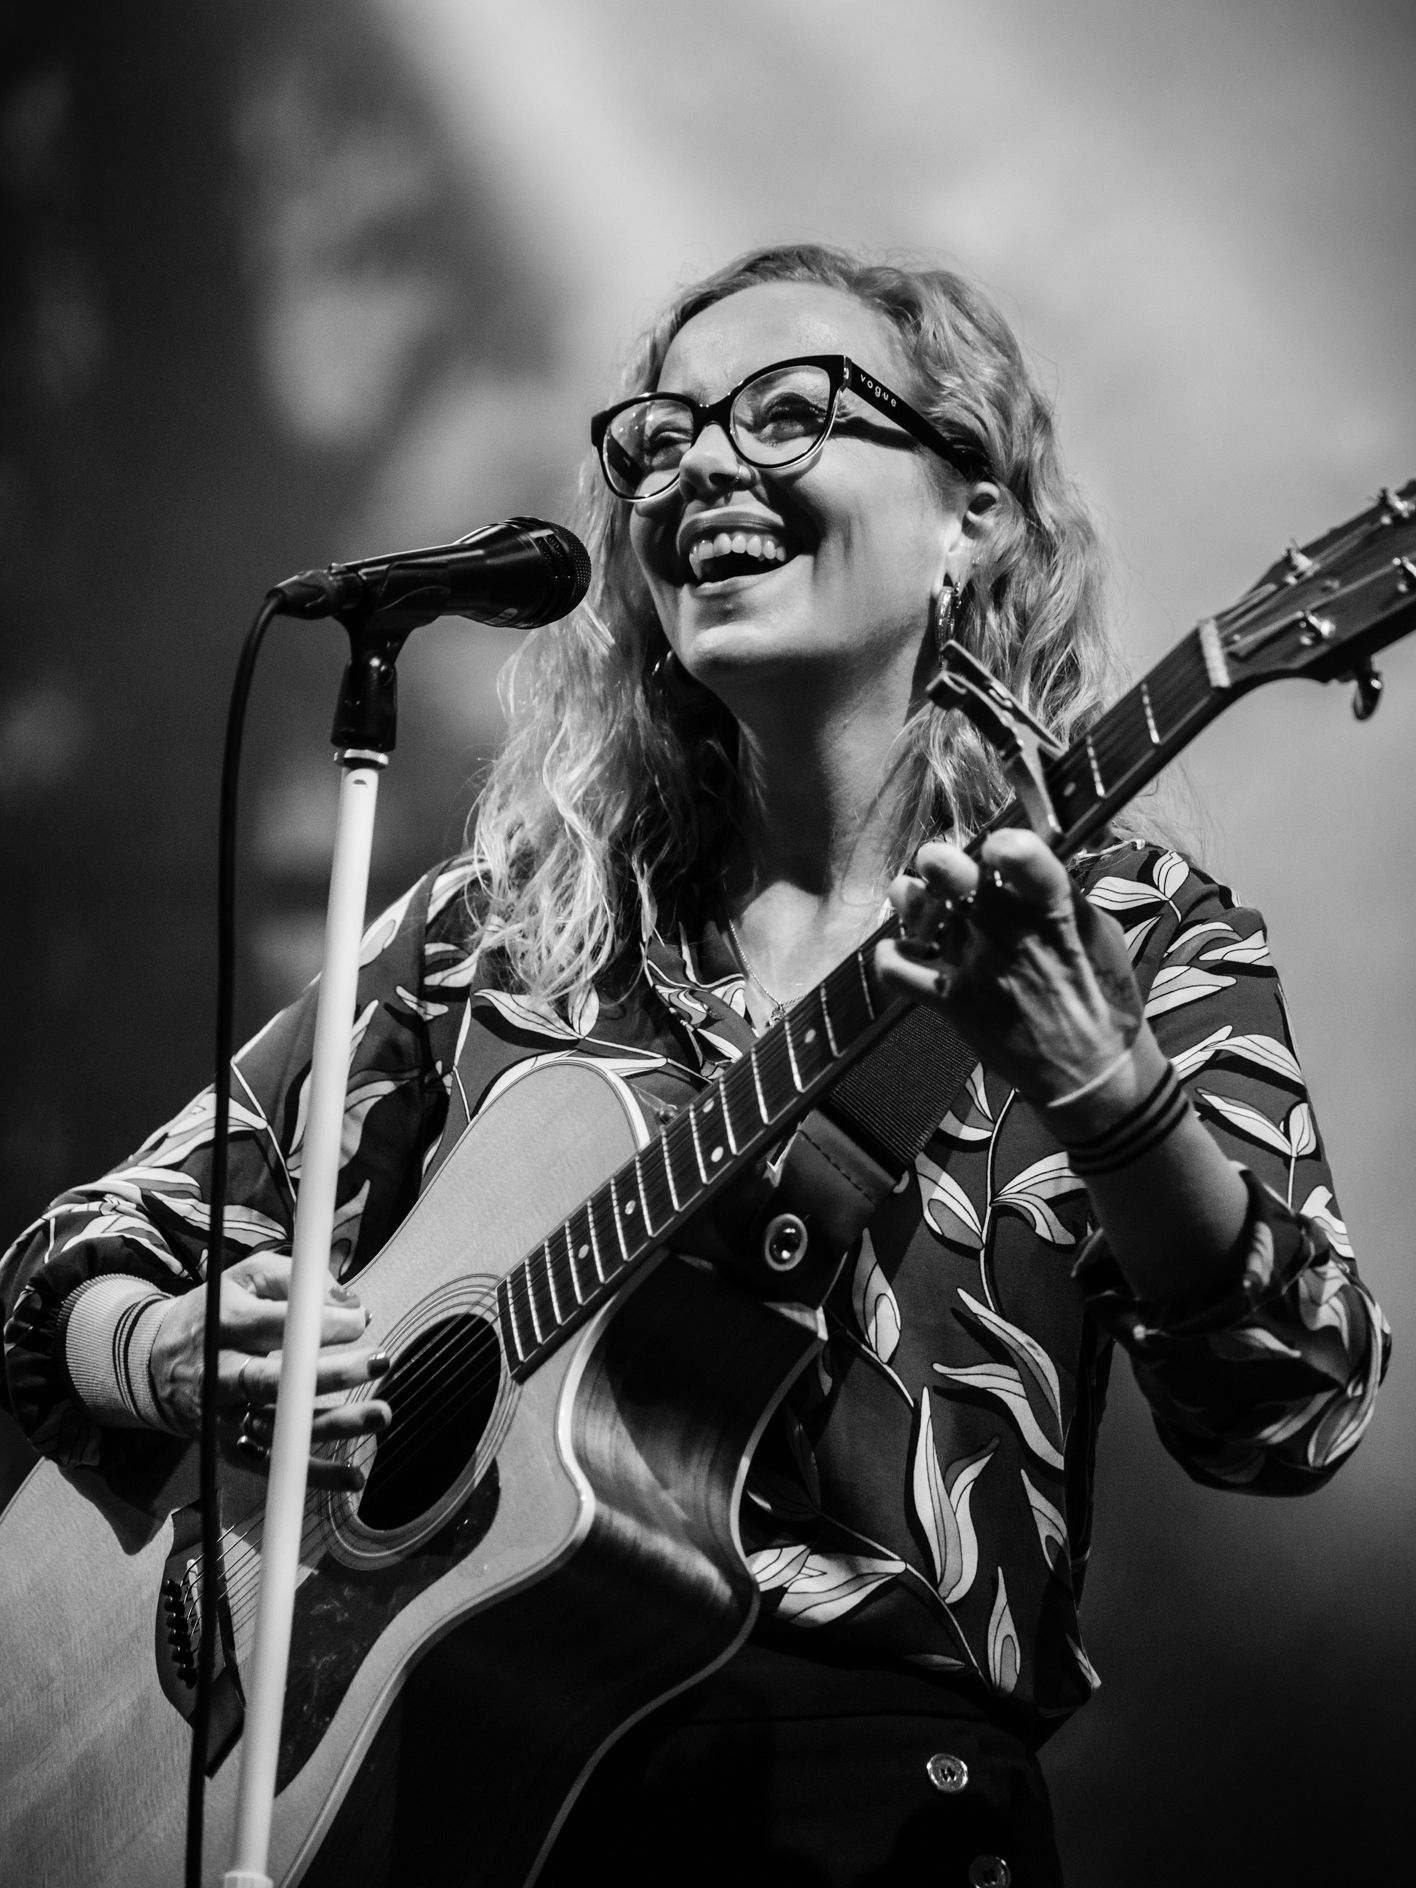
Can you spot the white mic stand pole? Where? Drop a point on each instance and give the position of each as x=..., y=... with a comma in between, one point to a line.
x=364, y=732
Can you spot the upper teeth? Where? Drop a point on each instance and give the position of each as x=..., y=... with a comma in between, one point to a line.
x=736, y=543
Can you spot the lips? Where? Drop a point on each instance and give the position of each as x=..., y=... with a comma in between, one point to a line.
x=735, y=554
x=716, y=547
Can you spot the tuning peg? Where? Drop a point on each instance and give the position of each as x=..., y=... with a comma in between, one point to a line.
x=1299, y=563
x=1368, y=697
x=1394, y=505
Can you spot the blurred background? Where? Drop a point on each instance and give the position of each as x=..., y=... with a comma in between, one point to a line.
x=295, y=280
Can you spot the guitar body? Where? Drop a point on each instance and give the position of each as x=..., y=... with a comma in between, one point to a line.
x=554, y=1543
x=564, y=1547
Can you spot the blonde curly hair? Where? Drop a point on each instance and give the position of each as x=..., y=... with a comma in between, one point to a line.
x=612, y=796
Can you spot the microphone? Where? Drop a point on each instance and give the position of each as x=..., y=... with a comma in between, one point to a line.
x=516, y=575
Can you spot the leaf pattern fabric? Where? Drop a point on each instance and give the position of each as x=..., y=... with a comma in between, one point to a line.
x=923, y=1498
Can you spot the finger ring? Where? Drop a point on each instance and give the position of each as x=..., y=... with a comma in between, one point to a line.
x=247, y=1440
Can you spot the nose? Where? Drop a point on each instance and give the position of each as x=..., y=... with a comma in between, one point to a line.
x=712, y=464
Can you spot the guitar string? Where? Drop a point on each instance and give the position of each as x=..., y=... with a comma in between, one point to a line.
x=242, y=1586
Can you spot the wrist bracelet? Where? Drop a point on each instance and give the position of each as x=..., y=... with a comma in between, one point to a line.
x=1097, y=1081
x=1138, y=1132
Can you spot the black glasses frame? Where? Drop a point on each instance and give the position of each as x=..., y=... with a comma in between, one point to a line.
x=842, y=373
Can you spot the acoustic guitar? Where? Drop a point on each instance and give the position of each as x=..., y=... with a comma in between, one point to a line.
x=554, y=1510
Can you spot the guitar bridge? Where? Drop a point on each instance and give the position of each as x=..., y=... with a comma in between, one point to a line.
x=1020, y=741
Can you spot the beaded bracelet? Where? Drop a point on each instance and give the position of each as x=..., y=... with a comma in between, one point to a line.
x=1138, y=1132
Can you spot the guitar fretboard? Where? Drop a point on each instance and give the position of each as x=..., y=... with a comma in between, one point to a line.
x=1135, y=738
x=748, y=1107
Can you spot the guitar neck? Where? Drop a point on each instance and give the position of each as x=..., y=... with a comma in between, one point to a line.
x=1134, y=740
x=744, y=1111
x=1318, y=612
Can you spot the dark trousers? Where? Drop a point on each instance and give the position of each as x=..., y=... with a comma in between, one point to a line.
x=777, y=1772
x=827, y=1780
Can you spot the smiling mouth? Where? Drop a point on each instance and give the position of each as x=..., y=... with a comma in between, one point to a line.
x=736, y=554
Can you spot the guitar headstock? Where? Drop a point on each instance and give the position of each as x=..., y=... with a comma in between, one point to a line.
x=1324, y=609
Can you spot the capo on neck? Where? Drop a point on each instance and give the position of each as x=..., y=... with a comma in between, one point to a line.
x=1021, y=742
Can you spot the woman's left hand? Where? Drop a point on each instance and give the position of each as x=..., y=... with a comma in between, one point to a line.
x=1037, y=981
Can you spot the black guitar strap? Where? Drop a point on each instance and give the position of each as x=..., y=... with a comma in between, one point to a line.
x=867, y=1131
x=863, y=1136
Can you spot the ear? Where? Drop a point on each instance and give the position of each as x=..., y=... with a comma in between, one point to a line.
x=970, y=533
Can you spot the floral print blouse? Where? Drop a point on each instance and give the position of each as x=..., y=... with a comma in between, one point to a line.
x=924, y=1497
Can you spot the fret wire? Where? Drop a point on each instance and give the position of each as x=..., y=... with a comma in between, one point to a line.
x=511, y=1329
x=850, y=997
x=776, y=1071
x=727, y=1100
x=813, y=1051
x=528, y=1274
x=538, y=1271
x=678, y=1144
x=826, y=1019
x=549, y=1269
x=562, y=1277
x=598, y=1199
x=1120, y=742
x=655, y=1175
x=573, y=1241
x=797, y=1082
x=648, y=1221
x=618, y=1212
x=527, y=1305
x=739, y=1094
x=859, y=957
x=762, y=1107
x=1152, y=731
x=698, y=1145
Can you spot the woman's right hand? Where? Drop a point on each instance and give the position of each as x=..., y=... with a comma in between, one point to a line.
x=254, y=1294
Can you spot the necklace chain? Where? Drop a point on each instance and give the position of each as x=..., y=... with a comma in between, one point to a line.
x=780, y=1005
x=779, y=1008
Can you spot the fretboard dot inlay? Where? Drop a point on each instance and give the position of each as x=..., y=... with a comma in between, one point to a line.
x=810, y=1036
x=628, y=1208
x=582, y=1252
x=717, y=1154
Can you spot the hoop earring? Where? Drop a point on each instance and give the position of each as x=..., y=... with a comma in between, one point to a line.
x=943, y=603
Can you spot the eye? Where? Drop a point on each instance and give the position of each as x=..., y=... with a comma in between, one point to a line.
x=784, y=411
x=665, y=435
x=788, y=413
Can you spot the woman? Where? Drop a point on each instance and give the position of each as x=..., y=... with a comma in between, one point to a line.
x=710, y=780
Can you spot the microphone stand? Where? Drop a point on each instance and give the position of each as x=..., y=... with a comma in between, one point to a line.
x=364, y=733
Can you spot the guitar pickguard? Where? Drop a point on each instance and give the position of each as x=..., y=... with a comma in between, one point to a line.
x=340, y=1613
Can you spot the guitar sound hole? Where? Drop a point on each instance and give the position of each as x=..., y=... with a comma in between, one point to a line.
x=443, y=1390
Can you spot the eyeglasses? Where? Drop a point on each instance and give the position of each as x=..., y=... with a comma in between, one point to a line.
x=780, y=416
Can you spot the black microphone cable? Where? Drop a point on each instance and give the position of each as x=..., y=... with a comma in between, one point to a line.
x=208, y=1487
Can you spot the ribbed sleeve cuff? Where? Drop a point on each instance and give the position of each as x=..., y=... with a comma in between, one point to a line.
x=110, y=1326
